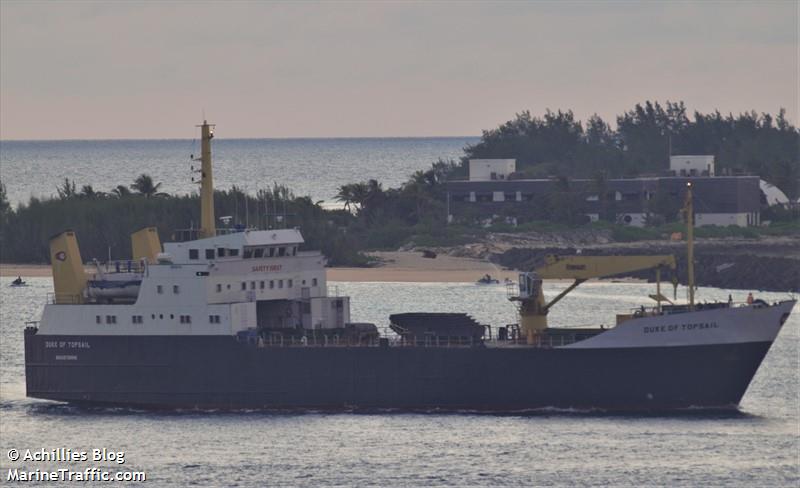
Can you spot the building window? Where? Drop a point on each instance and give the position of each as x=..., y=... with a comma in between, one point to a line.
x=194, y=254
x=98, y=319
x=209, y=254
x=244, y=285
x=159, y=289
x=219, y=288
x=261, y=285
x=176, y=289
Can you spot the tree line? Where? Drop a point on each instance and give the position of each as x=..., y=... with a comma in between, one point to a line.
x=373, y=217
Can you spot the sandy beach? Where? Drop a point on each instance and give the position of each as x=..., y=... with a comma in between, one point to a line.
x=396, y=266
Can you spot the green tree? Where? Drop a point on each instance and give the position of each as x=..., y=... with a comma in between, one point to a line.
x=144, y=185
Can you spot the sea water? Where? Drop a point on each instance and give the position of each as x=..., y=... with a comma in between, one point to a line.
x=309, y=167
x=758, y=445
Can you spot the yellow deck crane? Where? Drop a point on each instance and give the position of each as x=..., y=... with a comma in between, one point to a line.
x=533, y=307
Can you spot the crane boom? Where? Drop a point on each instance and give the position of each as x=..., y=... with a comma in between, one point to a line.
x=533, y=308
x=588, y=267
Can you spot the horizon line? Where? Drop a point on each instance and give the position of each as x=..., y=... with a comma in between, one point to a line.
x=113, y=139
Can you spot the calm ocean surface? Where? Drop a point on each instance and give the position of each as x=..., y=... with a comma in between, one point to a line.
x=314, y=167
x=757, y=446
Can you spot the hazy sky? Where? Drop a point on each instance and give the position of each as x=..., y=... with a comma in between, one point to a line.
x=148, y=69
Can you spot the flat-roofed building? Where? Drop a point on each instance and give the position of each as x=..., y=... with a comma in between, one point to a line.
x=722, y=200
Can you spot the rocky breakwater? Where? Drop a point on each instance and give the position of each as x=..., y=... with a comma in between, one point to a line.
x=768, y=264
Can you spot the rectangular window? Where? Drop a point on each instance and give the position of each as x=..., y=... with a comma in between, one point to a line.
x=281, y=251
x=314, y=282
x=176, y=289
x=261, y=285
x=233, y=252
x=248, y=253
x=159, y=289
x=291, y=283
x=280, y=283
x=209, y=254
x=271, y=284
x=294, y=251
x=271, y=252
x=259, y=252
x=220, y=252
x=252, y=285
x=219, y=288
x=244, y=285
x=98, y=319
x=108, y=319
x=193, y=254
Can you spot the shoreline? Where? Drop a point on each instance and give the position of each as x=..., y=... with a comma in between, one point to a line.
x=395, y=267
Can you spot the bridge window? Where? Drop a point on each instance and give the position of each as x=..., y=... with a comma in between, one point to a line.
x=233, y=252
x=176, y=289
x=98, y=319
x=271, y=252
x=248, y=253
x=213, y=319
x=137, y=319
x=186, y=319
x=219, y=288
x=314, y=282
x=281, y=251
x=209, y=254
x=291, y=283
x=271, y=284
x=252, y=285
x=261, y=285
x=111, y=319
x=159, y=289
x=294, y=251
x=220, y=252
x=244, y=285
x=280, y=283
x=259, y=252
x=194, y=254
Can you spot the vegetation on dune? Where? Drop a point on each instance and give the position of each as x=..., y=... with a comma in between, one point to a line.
x=374, y=217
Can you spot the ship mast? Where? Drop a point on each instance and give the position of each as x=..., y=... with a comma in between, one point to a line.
x=207, y=228
x=688, y=208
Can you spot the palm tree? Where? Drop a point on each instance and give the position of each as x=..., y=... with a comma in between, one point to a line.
x=121, y=191
x=144, y=185
x=87, y=191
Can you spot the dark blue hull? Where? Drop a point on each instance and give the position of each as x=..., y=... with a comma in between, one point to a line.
x=221, y=372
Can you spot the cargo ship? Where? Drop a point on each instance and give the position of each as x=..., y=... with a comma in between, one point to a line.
x=239, y=318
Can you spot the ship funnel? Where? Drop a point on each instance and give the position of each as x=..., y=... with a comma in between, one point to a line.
x=69, y=279
x=146, y=244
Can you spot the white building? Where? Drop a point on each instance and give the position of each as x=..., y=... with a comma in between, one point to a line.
x=491, y=169
x=687, y=165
